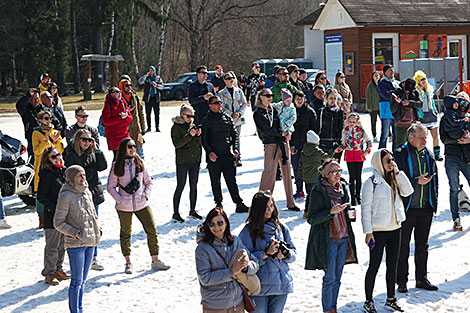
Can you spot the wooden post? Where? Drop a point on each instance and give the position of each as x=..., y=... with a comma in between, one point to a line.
x=114, y=67
x=86, y=79
x=460, y=66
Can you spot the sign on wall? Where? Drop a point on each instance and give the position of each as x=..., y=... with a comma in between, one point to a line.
x=414, y=46
x=333, y=55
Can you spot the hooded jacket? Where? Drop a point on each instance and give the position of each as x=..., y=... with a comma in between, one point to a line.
x=235, y=104
x=452, y=121
x=48, y=192
x=149, y=89
x=116, y=128
x=274, y=273
x=379, y=212
x=76, y=215
x=310, y=160
x=137, y=125
x=219, y=290
x=399, y=110
x=187, y=148
x=218, y=134
x=372, y=97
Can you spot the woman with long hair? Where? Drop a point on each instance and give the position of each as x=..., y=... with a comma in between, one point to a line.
x=321, y=79
x=83, y=151
x=130, y=185
x=270, y=242
x=331, y=242
x=220, y=258
x=345, y=92
x=372, y=102
x=382, y=214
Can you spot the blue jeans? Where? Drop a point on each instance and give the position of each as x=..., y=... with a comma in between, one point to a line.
x=140, y=151
x=453, y=166
x=270, y=304
x=80, y=260
x=2, y=210
x=295, y=161
x=332, y=279
x=385, y=132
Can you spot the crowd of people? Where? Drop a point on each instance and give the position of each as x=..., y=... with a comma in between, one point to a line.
x=304, y=126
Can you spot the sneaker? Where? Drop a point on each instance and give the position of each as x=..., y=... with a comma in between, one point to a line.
x=369, y=307
x=298, y=195
x=61, y=275
x=278, y=177
x=239, y=163
x=392, y=305
x=457, y=224
x=51, y=280
x=4, y=224
x=128, y=269
x=294, y=208
x=160, y=266
x=177, y=218
x=195, y=215
x=96, y=266
x=376, y=140
x=241, y=208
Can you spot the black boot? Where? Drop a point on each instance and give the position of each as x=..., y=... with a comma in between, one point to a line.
x=358, y=199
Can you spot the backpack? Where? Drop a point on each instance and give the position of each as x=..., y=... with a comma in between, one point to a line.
x=101, y=128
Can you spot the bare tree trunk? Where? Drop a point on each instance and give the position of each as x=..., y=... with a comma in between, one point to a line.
x=97, y=43
x=13, y=83
x=59, y=47
x=75, y=61
x=134, y=56
x=164, y=13
x=194, y=36
x=110, y=48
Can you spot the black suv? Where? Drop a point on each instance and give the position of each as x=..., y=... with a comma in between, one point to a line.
x=178, y=89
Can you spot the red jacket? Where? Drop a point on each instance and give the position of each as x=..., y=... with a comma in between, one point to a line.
x=116, y=128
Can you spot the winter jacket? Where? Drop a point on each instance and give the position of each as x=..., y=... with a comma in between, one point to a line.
x=149, y=89
x=414, y=164
x=218, y=134
x=384, y=88
x=287, y=116
x=377, y=201
x=329, y=124
x=137, y=125
x=270, y=80
x=196, y=93
x=278, y=86
x=269, y=132
x=274, y=273
x=299, y=85
x=129, y=202
x=58, y=118
x=311, y=159
x=306, y=118
x=76, y=215
x=116, y=128
x=255, y=83
x=319, y=218
x=48, y=192
x=451, y=147
x=29, y=115
x=72, y=129
x=372, y=97
x=92, y=164
x=40, y=144
x=235, y=104
x=187, y=148
x=218, y=82
x=308, y=90
x=398, y=110
x=219, y=290
x=452, y=122
x=355, y=141
x=317, y=104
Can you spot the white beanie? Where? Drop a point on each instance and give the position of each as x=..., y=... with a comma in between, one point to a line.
x=312, y=137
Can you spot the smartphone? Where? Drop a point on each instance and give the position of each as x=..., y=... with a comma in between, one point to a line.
x=371, y=244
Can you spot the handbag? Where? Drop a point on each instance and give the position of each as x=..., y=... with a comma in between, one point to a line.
x=133, y=185
x=248, y=302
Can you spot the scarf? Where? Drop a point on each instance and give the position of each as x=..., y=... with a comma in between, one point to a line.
x=338, y=222
x=334, y=108
x=395, y=83
x=127, y=96
x=343, y=90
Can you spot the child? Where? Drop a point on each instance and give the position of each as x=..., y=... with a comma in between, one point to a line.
x=454, y=124
x=357, y=145
x=311, y=159
x=287, y=118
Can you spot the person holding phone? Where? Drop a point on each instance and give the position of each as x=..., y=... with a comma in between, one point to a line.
x=331, y=242
x=382, y=213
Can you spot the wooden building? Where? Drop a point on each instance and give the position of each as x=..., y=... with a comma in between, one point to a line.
x=358, y=36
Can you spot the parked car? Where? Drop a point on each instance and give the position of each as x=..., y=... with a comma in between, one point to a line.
x=178, y=88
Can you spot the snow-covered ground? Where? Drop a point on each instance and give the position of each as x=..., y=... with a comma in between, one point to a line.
x=22, y=288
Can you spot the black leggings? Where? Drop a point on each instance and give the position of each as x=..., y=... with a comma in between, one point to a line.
x=182, y=172
x=155, y=105
x=390, y=240
x=355, y=182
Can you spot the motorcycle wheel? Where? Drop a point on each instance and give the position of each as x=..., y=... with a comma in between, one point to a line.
x=28, y=200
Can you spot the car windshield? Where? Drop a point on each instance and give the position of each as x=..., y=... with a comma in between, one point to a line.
x=181, y=79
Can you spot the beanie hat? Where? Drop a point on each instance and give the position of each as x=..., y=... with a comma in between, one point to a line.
x=285, y=94
x=386, y=68
x=463, y=95
x=73, y=171
x=409, y=84
x=312, y=137
x=124, y=77
x=449, y=101
x=276, y=69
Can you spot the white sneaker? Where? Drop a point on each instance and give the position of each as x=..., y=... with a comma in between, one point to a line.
x=160, y=266
x=4, y=224
x=96, y=266
x=457, y=224
x=129, y=268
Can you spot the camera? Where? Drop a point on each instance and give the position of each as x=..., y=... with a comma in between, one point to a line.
x=284, y=248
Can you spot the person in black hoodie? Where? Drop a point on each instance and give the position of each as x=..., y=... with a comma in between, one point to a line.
x=199, y=93
x=219, y=139
x=83, y=151
x=318, y=101
x=218, y=79
x=28, y=107
x=51, y=178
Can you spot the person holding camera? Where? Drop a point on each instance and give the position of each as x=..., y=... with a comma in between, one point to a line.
x=382, y=213
x=331, y=242
x=186, y=138
x=28, y=107
x=153, y=87
x=130, y=185
x=270, y=242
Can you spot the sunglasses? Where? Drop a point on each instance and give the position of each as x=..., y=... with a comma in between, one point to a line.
x=219, y=223
x=84, y=139
x=46, y=118
x=322, y=78
x=422, y=79
x=256, y=67
x=116, y=91
x=50, y=97
x=268, y=95
x=128, y=85
x=388, y=161
x=83, y=115
x=204, y=73
x=284, y=74
x=217, y=102
x=131, y=146
x=464, y=102
x=55, y=156
x=342, y=77
x=336, y=172
x=189, y=115
x=229, y=78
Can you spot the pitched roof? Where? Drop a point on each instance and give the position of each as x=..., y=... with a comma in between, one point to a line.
x=310, y=19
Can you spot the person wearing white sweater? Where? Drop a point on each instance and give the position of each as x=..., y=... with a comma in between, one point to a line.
x=382, y=213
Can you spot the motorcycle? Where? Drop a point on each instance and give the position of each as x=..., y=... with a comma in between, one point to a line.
x=16, y=175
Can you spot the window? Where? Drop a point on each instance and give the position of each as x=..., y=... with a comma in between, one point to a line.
x=383, y=50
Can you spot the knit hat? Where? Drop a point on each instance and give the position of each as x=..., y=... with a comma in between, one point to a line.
x=302, y=71
x=217, y=67
x=276, y=69
x=285, y=94
x=72, y=171
x=386, y=68
x=463, y=95
x=409, y=84
x=312, y=137
x=124, y=77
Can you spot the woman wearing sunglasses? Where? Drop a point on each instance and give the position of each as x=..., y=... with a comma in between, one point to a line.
x=331, y=242
x=218, y=261
x=382, y=213
x=186, y=138
x=130, y=185
x=83, y=151
x=321, y=79
x=270, y=242
x=52, y=177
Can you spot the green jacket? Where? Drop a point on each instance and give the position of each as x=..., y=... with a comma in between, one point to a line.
x=318, y=240
x=187, y=148
x=372, y=97
x=310, y=160
x=276, y=90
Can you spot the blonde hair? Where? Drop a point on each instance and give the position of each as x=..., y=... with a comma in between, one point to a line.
x=419, y=75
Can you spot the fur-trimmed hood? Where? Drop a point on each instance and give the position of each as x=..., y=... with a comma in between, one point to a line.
x=178, y=120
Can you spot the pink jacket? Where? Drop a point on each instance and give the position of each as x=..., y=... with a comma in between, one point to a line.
x=124, y=201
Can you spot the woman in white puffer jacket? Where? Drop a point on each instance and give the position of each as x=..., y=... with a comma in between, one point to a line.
x=382, y=213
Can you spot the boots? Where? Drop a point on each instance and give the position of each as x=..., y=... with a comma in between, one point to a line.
x=437, y=153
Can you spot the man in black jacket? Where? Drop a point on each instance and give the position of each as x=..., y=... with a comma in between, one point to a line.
x=28, y=107
x=57, y=114
x=318, y=101
x=218, y=79
x=199, y=93
x=219, y=139
x=419, y=165
x=81, y=115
